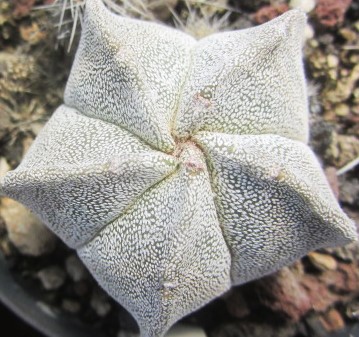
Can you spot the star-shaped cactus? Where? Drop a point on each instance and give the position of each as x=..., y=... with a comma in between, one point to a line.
x=178, y=168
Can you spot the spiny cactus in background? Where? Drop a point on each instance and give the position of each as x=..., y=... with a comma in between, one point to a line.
x=198, y=19
x=178, y=168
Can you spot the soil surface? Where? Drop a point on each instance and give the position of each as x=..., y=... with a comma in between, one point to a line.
x=317, y=295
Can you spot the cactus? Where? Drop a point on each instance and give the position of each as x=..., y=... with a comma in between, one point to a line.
x=178, y=168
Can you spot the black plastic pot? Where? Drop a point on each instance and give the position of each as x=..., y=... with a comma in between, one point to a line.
x=28, y=309
x=51, y=324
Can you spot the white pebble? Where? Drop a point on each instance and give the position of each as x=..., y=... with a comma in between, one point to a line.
x=25, y=230
x=308, y=32
x=304, y=5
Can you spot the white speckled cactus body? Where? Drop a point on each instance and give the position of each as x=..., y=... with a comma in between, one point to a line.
x=178, y=168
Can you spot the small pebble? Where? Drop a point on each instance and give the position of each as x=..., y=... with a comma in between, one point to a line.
x=332, y=320
x=352, y=310
x=4, y=167
x=308, y=32
x=52, y=277
x=342, y=110
x=75, y=268
x=305, y=5
x=314, y=43
x=71, y=306
x=100, y=303
x=348, y=148
x=323, y=261
x=344, y=72
x=332, y=61
x=348, y=34
x=25, y=230
x=326, y=39
x=32, y=34
x=6, y=247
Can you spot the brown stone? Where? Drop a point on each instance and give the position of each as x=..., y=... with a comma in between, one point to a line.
x=23, y=7
x=319, y=296
x=332, y=286
x=347, y=280
x=253, y=329
x=331, y=12
x=282, y=292
x=332, y=320
x=268, y=13
x=32, y=33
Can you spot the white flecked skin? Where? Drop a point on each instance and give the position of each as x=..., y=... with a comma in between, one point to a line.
x=178, y=168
